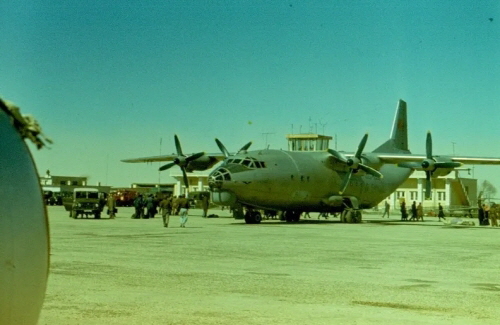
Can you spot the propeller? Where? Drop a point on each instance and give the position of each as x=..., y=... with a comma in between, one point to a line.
x=181, y=160
x=226, y=153
x=354, y=163
x=429, y=165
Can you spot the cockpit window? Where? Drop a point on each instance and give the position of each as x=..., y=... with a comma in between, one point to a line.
x=248, y=162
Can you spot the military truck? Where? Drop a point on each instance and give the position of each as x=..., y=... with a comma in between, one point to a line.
x=86, y=201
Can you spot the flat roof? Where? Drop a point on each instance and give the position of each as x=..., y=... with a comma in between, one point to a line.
x=308, y=136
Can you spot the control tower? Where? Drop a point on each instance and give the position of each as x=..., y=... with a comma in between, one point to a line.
x=307, y=142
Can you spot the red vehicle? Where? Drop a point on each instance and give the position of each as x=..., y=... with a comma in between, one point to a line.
x=124, y=198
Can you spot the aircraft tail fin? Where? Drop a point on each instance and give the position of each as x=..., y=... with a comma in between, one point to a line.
x=398, y=141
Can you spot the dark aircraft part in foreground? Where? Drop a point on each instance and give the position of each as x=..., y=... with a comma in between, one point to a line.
x=182, y=161
x=24, y=233
x=431, y=166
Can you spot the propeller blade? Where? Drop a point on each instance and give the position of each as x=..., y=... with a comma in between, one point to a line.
x=447, y=164
x=194, y=156
x=178, y=146
x=428, y=145
x=337, y=155
x=412, y=165
x=370, y=171
x=186, y=182
x=167, y=166
x=346, y=182
x=245, y=147
x=428, y=185
x=222, y=148
x=361, y=146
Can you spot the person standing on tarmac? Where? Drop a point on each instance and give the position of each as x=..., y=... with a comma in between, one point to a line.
x=111, y=203
x=175, y=205
x=414, y=212
x=183, y=212
x=480, y=212
x=150, y=206
x=139, y=207
x=420, y=212
x=494, y=210
x=404, y=214
x=441, y=213
x=166, y=210
x=387, y=207
x=204, y=205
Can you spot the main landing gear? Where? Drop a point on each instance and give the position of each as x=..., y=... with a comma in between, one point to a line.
x=292, y=215
x=253, y=217
x=351, y=216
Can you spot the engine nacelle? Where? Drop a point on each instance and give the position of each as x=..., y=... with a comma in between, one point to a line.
x=203, y=163
x=441, y=172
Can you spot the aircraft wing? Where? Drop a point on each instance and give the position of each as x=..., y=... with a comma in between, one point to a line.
x=172, y=157
x=399, y=158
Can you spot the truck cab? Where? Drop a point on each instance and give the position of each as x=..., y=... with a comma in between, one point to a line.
x=86, y=201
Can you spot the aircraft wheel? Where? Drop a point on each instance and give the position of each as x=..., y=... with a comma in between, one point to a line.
x=296, y=216
x=257, y=217
x=357, y=216
x=288, y=216
x=249, y=218
x=348, y=216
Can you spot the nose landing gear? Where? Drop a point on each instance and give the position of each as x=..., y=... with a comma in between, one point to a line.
x=351, y=216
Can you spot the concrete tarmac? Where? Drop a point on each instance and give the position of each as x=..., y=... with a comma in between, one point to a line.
x=222, y=271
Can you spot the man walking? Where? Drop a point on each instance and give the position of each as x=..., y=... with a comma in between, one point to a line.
x=420, y=212
x=166, y=209
x=414, y=211
x=183, y=212
x=441, y=212
x=386, y=209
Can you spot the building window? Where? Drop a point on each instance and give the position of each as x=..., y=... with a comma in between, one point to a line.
x=74, y=182
x=441, y=196
x=62, y=182
x=400, y=194
x=414, y=195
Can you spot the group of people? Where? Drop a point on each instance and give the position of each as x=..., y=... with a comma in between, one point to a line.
x=488, y=215
x=417, y=211
x=146, y=208
x=176, y=206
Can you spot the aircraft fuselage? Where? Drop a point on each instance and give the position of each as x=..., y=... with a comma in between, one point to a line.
x=305, y=181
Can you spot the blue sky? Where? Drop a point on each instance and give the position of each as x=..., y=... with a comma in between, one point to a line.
x=109, y=80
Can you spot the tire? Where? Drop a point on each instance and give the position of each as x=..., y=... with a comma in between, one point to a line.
x=348, y=217
x=249, y=219
x=257, y=217
x=356, y=216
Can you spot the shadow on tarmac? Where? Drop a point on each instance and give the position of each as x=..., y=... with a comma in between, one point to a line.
x=394, y=222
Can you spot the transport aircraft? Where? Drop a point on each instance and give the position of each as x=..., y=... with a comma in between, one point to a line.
x=293, y=182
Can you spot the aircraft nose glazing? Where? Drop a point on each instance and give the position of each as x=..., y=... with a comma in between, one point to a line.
x=217, y=178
